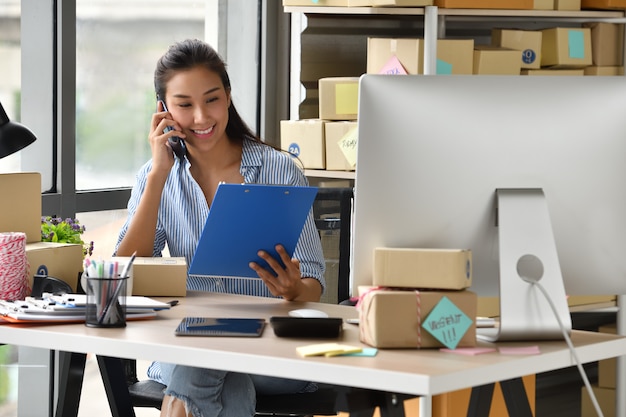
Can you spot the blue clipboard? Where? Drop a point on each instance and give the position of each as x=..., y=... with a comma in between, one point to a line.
x=246, y=218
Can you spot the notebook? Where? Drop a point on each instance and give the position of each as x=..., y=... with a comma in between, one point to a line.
x=246, y=218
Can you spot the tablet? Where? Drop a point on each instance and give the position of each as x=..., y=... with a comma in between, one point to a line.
x=219, y=326
x=246, y=218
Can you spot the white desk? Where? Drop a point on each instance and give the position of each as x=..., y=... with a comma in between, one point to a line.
x=424, y=372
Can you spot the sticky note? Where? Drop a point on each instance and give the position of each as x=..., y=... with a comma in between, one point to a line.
x=393, y=67
x=443, y=67
x=347, y=144
x=576, y=44
x=346, y=98
x=327, y=349
x=523, y=350
x=447, y=323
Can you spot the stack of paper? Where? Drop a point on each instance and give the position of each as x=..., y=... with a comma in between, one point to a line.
x=70, y=308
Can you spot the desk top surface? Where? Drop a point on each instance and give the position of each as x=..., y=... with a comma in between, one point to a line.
x=410, y=371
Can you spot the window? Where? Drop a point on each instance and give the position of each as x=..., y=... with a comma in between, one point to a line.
x=117, y=46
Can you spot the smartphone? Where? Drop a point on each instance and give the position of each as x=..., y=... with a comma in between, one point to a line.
x=174, y=141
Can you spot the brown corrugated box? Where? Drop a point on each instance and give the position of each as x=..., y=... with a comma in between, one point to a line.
x=61, y=260
x=603, y=4
x=493, y=60
x=528, y=42
x=566, y=47
x=607, y=43
x=20, y=204
x=486, y=4
x=454, y=56
x=159, y=277
x=338, y=98
x=394, y=318
x=444, y=269
x=333, y=133
x=557, y=71
x=304, y=139
x=602, y=71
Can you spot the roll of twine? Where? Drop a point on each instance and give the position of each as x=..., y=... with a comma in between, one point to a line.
x=14, y=268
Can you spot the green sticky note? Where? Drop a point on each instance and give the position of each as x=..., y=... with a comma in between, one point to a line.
x=346, y=98
x=576, y=44
x=443, y=67
x=447, y=323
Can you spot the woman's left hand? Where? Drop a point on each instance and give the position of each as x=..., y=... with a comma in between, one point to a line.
x=282, y=282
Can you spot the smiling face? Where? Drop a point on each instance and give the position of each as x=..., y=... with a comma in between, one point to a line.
x=198, y=101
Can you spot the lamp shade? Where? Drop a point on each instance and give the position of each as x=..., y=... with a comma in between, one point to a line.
x=13, y=136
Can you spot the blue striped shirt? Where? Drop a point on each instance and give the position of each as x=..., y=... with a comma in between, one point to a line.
x=183, y=212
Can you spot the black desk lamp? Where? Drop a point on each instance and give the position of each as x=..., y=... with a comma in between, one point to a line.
x=13, y=136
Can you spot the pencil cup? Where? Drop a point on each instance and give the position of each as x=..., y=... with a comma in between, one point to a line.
x=106, y=302
x=122, y=266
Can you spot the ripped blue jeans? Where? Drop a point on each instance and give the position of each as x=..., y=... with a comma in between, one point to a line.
x=213, y=393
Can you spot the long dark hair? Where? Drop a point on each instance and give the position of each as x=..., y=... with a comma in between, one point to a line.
x=191, y=53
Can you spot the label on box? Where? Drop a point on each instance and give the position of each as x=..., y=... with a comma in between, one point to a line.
x=447, y=323
x=393, y=67
x=348, y=144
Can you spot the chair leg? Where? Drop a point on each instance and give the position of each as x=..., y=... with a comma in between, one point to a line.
x=114, y=380
x=71, y=372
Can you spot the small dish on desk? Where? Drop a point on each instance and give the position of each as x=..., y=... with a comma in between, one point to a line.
x=307, y=327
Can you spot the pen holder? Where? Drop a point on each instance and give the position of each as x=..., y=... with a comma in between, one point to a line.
x=106, y=302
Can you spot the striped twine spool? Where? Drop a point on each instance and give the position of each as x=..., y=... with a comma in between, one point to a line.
x=14, y=268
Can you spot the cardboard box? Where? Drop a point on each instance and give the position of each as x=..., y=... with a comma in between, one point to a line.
x=605, y=398
x=485, y=4
x=603, y=4
x=159, y=277
x=21, y=204
x=544, y=5
x=334, y=132
x=339, y=98
x=340, y=3
x=607, y=368
x=454, y=56
x=492, y=60
x=566, y=47
x=305, y=140
x=59, y=260
x=456, y=403
x=607, y=43
x=548, y=71
x=604, y=70
x=444, y=269
x=566, y=4
x=391, y=318
x=528, y=42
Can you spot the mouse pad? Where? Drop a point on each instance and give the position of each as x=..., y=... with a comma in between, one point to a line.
x=219, y=326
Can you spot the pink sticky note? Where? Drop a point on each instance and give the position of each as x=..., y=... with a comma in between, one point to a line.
x=525, y=350
x=393, y=67
x=469, y=351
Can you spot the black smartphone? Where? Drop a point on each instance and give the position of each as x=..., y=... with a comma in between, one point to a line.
x=175, y=142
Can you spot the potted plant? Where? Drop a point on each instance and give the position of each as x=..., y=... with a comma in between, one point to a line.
x=55, y=229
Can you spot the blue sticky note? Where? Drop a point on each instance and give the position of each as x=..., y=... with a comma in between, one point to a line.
x=443, y=67
x=576, y=44
x=365, y=352
x=447, y=323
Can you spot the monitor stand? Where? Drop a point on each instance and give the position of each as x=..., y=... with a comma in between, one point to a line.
x=527, y=249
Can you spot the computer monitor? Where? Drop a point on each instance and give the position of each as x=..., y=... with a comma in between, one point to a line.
x=434, y=153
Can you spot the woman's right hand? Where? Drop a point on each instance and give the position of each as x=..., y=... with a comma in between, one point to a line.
x=162, y=154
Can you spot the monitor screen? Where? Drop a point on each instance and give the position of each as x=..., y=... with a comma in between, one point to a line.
x=433, y=150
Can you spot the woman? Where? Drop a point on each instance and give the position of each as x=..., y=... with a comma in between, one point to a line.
x=171, y=200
